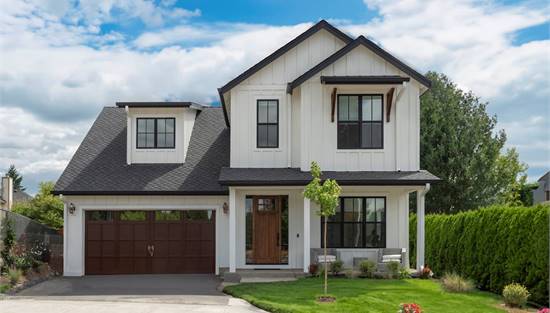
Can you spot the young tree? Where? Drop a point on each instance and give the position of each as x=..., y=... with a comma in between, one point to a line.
x=16, y=177
x=326, y=196
x=459, y=144
x=45, y=208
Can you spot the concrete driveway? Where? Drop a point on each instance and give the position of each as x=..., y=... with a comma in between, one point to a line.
x=126, y=293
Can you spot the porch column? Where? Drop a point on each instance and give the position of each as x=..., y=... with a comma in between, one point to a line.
x=420, y=232
x=232, y=231
x=307, y=233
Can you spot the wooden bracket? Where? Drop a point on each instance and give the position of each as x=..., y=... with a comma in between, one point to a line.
x=333, y=104
x=389, y=98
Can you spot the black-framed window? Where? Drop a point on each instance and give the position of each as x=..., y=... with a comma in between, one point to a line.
x=156, y=133
x=360, y=121
x=359, y=222
x=267, y=121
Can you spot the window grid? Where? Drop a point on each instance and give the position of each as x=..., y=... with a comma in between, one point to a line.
x=359, y=122
x=339, y=220
x=264, y=126
x=156, y=133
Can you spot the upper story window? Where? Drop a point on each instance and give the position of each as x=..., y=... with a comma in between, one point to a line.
x=156, y=133
x=267, y=124
x=360, y=124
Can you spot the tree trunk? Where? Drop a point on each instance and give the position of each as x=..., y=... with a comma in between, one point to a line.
x=326, y=263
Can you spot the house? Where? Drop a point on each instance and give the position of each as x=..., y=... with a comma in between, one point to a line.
x=542, y=193
x=6, y=193
x=180, y=187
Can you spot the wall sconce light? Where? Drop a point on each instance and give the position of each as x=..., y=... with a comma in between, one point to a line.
x=225, y=208
x=72, y=208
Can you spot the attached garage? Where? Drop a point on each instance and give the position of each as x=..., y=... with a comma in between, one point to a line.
x=144, y=242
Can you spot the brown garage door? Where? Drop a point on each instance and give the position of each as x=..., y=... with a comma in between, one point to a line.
x=142, y=242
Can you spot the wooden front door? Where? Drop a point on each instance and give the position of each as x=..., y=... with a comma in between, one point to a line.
x=267, y=229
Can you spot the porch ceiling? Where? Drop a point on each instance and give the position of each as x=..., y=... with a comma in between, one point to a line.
x=296, y=177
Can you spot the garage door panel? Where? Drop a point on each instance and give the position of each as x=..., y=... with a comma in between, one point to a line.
x=108, y=232
x=183, y=243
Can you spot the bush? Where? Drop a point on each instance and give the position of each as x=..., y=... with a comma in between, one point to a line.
x=393, y=269
x=14, y=276
x=9, y=242
x=409, y=308
x=24, y=262
x=494, y=246
x=453, y=282
x=4, y=288
x=404, y=273
x=367, y=268
x=336, y=267
x=425, y=273
x=515, y=295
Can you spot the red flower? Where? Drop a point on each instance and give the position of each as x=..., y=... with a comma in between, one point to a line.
x=410, y=308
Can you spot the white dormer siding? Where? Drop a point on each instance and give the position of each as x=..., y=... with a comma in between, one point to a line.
x=184, y=122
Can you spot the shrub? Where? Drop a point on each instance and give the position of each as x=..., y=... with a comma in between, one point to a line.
x=409, y=308
x=404, y=273
x=40, y=252
x=350, y=274
x=544, y=310
x=393, y=269
x=494, y=246
x=336, y=267
x=515, y=295
x=425, y=273
x=4, y=288
x=453, y=282
x=313, y=269
x=367, y=268
x=14, y=275
x=9, y=242
x=24, y=262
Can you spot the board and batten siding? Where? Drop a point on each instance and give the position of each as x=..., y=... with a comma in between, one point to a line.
x=270, y=83
x=319, y=135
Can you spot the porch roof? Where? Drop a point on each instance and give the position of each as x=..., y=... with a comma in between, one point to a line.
x=296, y=177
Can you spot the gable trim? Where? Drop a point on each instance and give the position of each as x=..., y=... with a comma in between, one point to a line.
x=361, y=40
x=279, y=52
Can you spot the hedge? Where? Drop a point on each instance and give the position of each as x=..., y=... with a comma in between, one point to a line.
x=494, y=246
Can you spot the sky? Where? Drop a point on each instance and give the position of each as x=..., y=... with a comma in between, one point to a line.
x=61, y=61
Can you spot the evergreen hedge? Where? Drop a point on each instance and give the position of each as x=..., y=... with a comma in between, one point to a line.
x=494, y=246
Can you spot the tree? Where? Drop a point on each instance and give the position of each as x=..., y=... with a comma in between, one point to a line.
x=326, y=196
x=16, y=177
x=460, y=145
x=45, y=208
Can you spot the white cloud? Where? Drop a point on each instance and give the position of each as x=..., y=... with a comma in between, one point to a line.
x=57, y=70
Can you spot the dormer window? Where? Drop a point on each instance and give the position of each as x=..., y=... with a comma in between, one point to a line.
x=156, y=133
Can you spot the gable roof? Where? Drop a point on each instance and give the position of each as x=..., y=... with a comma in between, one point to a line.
x=99, y=165
x=272, y=57
x=361, y=40
x=165, y=104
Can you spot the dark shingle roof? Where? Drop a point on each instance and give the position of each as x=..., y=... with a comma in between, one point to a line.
x=295, y=177
x=21, y=196
x=99, y=165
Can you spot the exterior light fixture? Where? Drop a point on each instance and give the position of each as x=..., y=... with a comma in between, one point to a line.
x=72, y=208
x=225, y=208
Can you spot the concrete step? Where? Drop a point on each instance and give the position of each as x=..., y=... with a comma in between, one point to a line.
x=258, y=275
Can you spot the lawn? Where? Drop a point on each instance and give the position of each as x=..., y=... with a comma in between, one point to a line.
x=362, y=295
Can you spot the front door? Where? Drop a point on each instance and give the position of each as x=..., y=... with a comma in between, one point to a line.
x=267, y=229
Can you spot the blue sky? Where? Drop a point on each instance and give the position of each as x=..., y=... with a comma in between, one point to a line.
x=62, y=60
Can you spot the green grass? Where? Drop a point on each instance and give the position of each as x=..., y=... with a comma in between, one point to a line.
x=362, y=295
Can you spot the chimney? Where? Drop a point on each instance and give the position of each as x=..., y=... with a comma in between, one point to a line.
x=7, y=192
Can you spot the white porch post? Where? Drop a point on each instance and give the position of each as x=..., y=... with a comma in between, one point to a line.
x=232, y=231
x=420, y=232
x=307, y=233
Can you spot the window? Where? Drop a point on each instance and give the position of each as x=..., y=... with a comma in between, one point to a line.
x=167, y=215
x=133, y=216
x=360, y=124
x=267, y=130
x=359, y=222
x=103, y=216
x=156, y=133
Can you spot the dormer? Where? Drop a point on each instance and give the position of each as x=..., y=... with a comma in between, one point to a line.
x=158, y=132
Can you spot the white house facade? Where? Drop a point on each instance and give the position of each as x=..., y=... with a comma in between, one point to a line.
x=179, y=187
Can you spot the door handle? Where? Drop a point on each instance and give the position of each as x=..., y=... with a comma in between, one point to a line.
x=151, y=250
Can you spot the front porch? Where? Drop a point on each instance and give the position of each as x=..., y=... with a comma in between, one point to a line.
x=379, y=218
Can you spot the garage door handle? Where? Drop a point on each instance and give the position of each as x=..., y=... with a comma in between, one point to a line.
x=151, y=250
